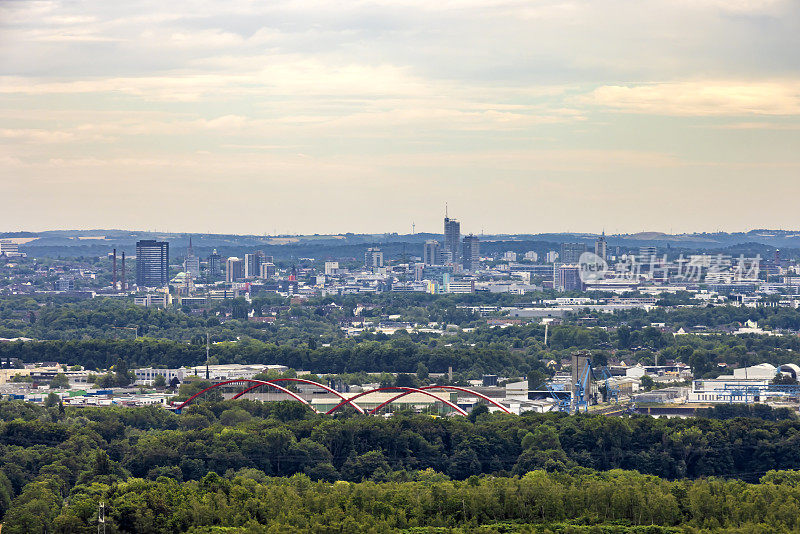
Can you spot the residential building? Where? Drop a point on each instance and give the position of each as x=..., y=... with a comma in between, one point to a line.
x=234, y=269
x=252, y=264
x=568, y=278
x=267, y=270
x=65, y=284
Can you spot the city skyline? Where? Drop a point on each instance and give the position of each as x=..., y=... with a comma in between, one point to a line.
x=318, y=118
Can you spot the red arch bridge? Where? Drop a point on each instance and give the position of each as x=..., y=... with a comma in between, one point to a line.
x=250, y=385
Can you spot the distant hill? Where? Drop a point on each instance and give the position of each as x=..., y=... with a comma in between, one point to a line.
x=98, y=242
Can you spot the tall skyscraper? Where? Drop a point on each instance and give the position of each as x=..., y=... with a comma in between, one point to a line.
x=452, y=239
x=152, y=263
x=601, y=247
x=192, y=263
x=373, y=258
x=571, y=252
x=471, y=252
x=431, y=254
x=252, y=264
x=215, y=263
x=234, y=269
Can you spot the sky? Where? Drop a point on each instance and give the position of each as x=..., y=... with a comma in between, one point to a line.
x=273, y=117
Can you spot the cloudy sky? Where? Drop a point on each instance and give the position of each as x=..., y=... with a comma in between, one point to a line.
x=323, y=117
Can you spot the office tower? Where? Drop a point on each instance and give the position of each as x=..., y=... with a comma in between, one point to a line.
x=647, y=255
x=191, y=264
x=471, y=252
x=373, y=258
x=215, y=263
x=234, y=269
x=267, y=270
x=569, y=278
x=252, y=264
x=152, y=263
x=601, y=247
x=452, y=239
x=571, y=252
x=431, y=254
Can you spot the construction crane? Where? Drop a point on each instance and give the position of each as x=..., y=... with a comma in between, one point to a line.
x=612, y=388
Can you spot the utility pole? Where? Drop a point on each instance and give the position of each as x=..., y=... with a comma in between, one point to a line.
x=101, y=519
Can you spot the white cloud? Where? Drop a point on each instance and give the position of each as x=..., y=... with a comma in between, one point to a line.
x=494, y=102
x=699, y=98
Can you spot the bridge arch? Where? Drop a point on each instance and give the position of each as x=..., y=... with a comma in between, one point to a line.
x=301, y=381
x=395, y=388
x=245, y=380
x=453, y=388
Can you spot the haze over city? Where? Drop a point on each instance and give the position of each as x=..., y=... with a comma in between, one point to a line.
x=318, y=117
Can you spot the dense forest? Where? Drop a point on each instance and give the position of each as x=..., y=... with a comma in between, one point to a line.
x=155, y=469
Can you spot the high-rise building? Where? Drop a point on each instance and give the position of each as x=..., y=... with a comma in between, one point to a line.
x=152, y=263
x=252, y=264
x=215, y=263
x=531, y=256
x=191, y=264
x=551, y=257
x=510, y=256
x=471, y=252
x=452, y=240
x=267, y=270
x=647, y=255
x=571, y=252
x=373, y=258
x=234, y=269
x=431, y=254
x=331, y=268
x=601, y=247
x=569, y=278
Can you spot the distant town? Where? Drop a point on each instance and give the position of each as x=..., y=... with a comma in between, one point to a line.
x=588, y=283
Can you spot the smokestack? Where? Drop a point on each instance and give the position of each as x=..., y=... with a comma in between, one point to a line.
x=123, y=271
x=114, y=268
